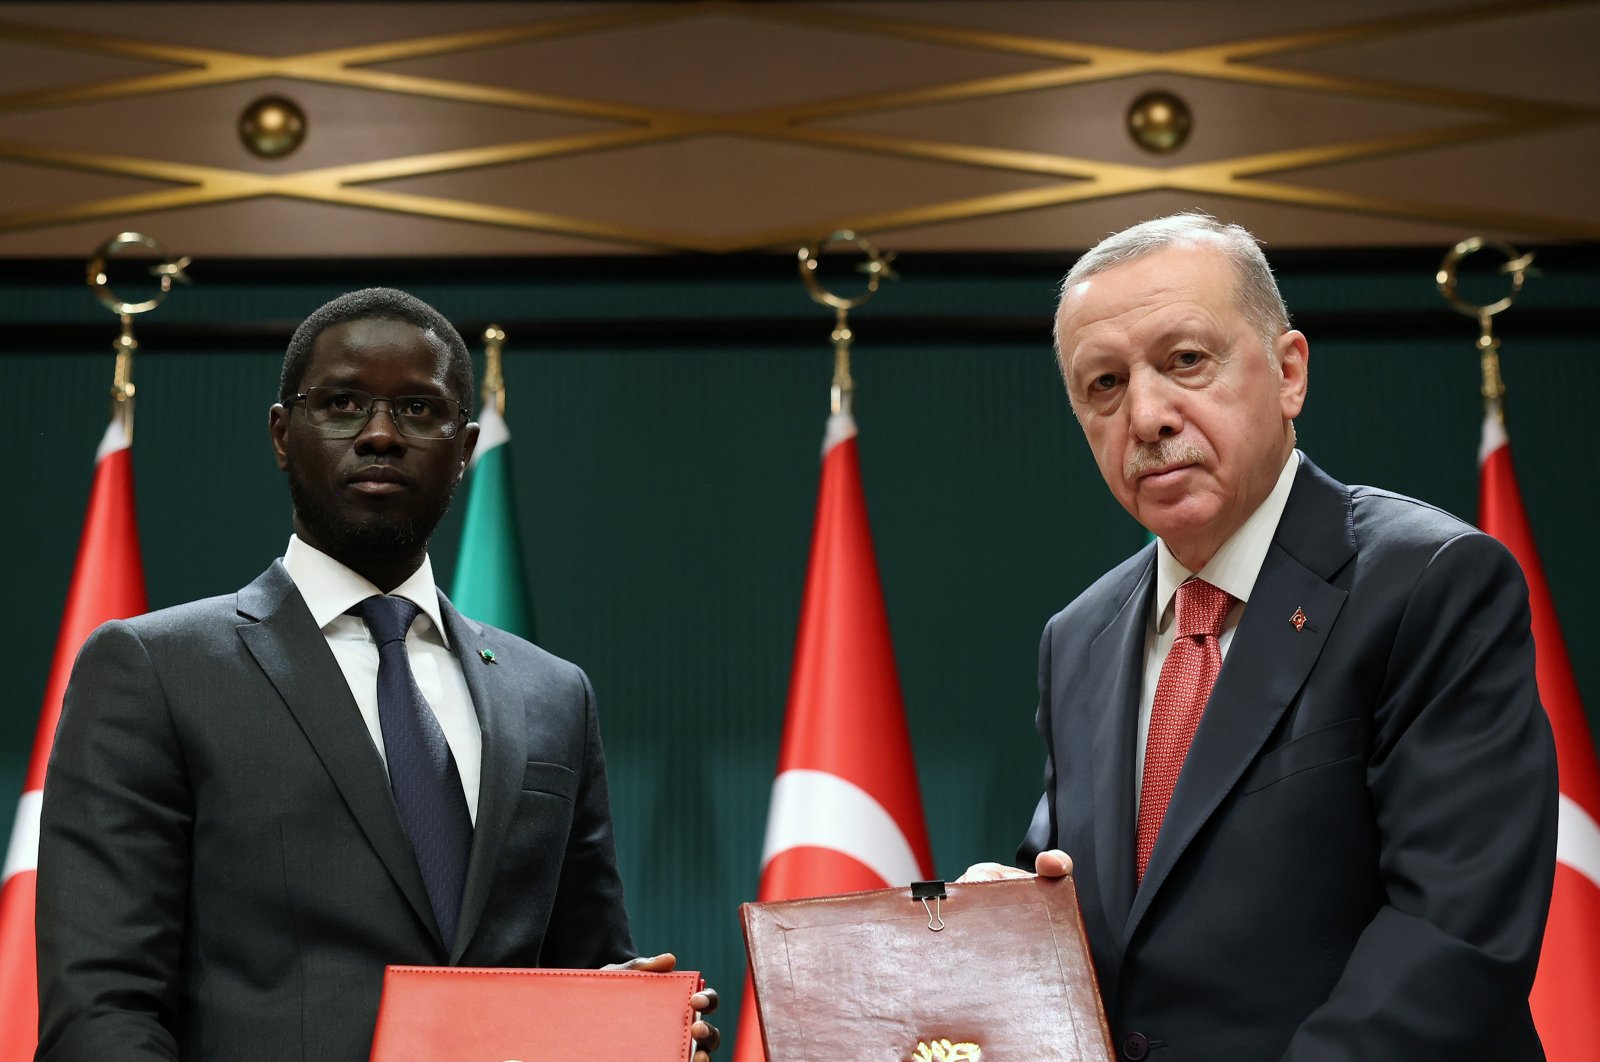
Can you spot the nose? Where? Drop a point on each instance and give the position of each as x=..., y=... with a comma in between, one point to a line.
x=380, y=434
x=1152, y=410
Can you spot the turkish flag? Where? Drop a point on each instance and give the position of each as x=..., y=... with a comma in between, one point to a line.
x=1566, y=992
x=107, y=583
x=846, y=814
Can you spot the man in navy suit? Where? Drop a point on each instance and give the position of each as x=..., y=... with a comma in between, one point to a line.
x=238, y=832
x=1347, y=855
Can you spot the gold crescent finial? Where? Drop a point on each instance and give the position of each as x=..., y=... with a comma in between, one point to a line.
x=167, y=271
x=1517, y=266
x=877, y=268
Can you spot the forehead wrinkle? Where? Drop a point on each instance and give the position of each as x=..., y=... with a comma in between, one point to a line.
x=1108, y=339
x=1193, y=328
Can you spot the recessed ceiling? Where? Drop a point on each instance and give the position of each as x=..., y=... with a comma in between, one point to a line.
x=533, y=128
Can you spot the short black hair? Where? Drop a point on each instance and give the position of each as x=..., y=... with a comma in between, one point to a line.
x=377, y=304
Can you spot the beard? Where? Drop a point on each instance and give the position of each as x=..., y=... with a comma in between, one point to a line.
x=341, y=535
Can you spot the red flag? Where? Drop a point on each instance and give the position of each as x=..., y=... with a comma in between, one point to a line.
x=846, y=813
x=1566, y=992
x=107, y=583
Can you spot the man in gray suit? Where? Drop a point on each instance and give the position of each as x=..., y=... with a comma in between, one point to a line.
x=1294, y=745
x=253, y=805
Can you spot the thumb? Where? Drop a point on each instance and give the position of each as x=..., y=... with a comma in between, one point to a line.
x=1053, y=864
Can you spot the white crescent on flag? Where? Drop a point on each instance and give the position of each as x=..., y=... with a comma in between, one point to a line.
x=1494, y=433
x=115, y=438
x=492, y=432
x=815, y=809
x=1578, y=840
x=23, y=851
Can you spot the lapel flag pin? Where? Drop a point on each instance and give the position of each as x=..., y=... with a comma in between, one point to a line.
x=488, y=656
x=1298, y=619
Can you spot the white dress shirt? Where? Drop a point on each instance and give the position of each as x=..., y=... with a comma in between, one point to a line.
x=1233, y=568
x=329, y=588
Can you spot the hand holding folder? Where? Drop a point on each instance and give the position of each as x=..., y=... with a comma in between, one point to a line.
x=997, y=971
x=461, y=1014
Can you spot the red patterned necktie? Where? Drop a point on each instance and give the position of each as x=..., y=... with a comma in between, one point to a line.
x=1187, y=675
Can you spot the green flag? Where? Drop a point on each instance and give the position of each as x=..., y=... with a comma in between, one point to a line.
x=491, y=579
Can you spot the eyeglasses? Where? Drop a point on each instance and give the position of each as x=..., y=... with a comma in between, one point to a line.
x=342, y=413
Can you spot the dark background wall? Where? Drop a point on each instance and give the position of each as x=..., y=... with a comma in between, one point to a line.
x=668, y=416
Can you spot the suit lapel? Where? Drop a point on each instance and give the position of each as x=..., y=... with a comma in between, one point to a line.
x=1267, y=664
x=293, y=653
x=497, y=701
x=1110, y=697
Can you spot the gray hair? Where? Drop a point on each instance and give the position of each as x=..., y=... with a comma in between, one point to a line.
x=1254, y=287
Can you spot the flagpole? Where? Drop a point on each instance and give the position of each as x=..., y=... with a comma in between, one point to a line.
x=1566, y=991
x=491, y=572
x=494, y=381
x=846, y=811
x=107, y=583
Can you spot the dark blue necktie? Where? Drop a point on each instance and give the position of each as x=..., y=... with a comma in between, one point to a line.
x=422, y=773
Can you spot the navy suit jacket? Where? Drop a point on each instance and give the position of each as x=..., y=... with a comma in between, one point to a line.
x=1357, y=861
x=222, y=872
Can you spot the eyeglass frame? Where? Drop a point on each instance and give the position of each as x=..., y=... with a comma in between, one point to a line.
x=462, y=418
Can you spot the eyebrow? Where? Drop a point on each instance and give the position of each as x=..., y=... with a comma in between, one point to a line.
x=1193, y=331
x=1190, y=329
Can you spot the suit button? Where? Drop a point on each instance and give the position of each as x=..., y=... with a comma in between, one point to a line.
x=1135, y=1046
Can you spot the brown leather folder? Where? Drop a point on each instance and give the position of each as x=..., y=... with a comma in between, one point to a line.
x=866, y=976
x=462, y=1014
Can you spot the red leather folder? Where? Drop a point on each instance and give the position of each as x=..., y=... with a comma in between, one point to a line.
x=463, y=1014
x=866, y=977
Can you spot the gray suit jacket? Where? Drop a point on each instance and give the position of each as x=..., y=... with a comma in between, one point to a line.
x=1357, y=860
x=222, y=873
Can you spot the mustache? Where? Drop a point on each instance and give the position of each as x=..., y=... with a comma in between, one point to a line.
x=1161, y=454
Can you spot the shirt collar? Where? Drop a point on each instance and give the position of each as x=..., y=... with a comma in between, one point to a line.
x=1235, y=566
x=330, y=588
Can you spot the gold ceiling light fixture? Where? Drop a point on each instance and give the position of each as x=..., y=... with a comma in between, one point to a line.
x=1160, y=122
x=272, y=127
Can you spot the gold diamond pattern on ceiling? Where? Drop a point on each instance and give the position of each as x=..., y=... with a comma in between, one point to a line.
x=724, y=126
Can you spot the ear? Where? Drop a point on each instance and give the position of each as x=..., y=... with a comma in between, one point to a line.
x=469, y=444
x=278, y=431
x=1293, y=356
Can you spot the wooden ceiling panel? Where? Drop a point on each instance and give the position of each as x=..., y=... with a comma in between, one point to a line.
x=285, y=28
x=1155, y=25
x=725, y=125
x=343, y=125
x=26, y=66
x=1230, y=120
x=1550, y=54
x=745, y=193
x=1083, y=224
x=1486, y=176
x=285, y=228
x=717, y=63
x=29, y=188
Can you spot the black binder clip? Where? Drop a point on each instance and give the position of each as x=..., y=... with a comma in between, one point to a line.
x=930, y=890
